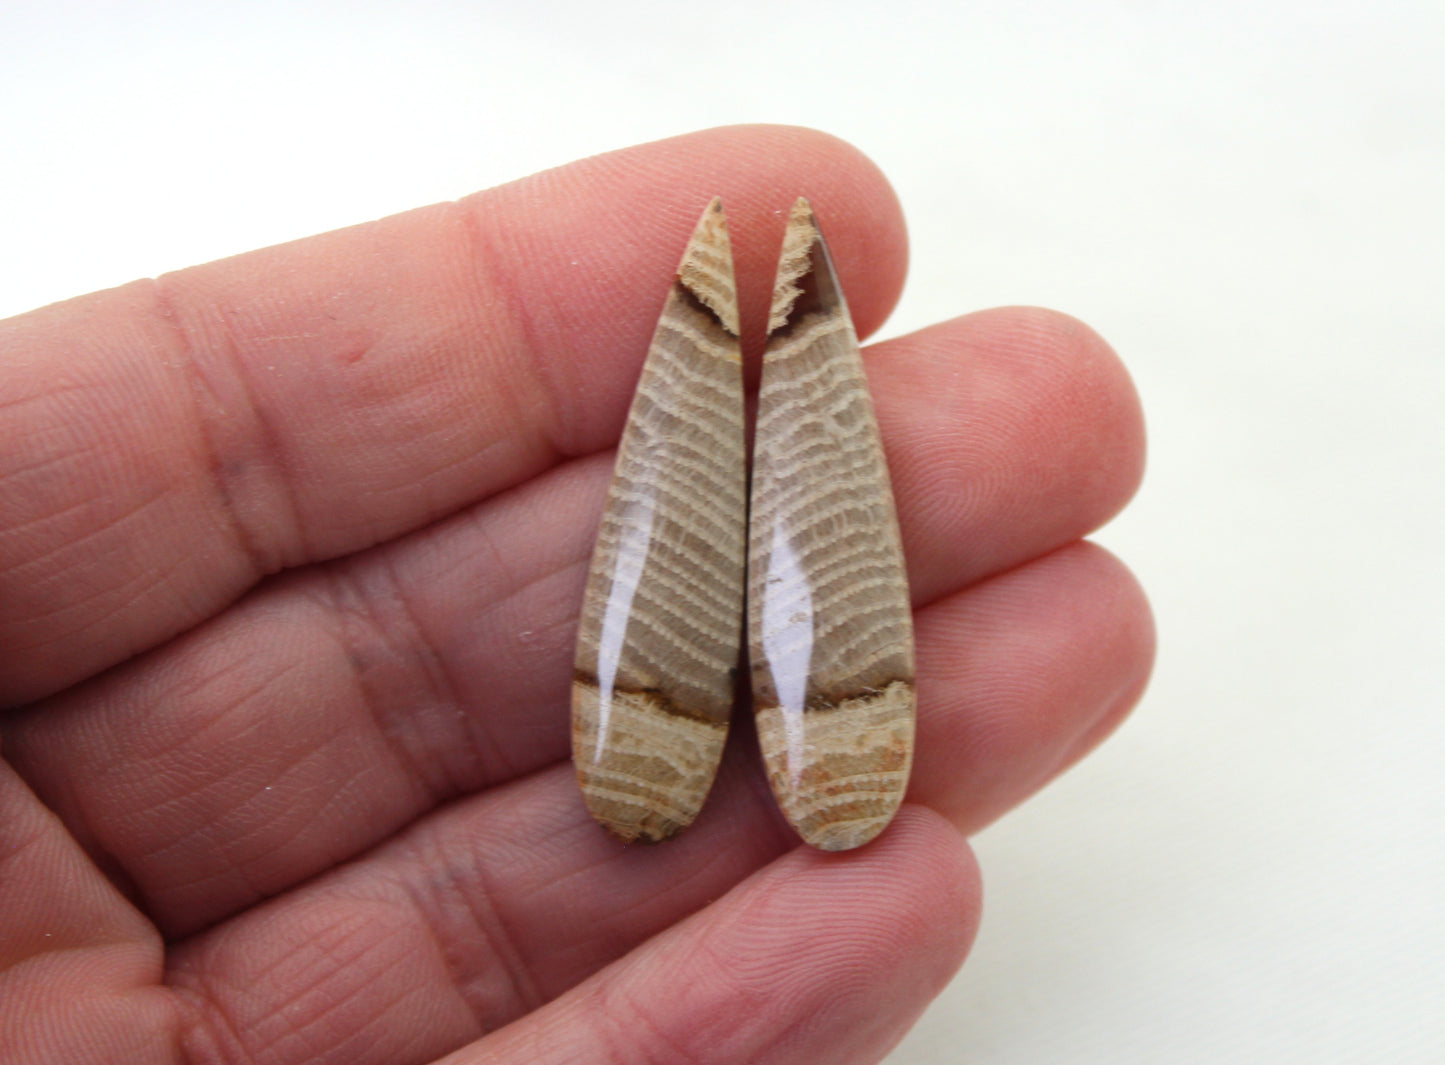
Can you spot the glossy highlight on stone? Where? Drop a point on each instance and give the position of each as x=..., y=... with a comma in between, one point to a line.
x=830, y=627
x=661, y=625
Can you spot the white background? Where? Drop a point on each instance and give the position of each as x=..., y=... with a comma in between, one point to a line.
x=1244, y=198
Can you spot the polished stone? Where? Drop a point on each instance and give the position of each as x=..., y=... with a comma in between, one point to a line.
x=661, y=625
x=830, y=630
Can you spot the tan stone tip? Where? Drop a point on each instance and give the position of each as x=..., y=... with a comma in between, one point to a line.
x=795, y=261
x=645, y=827
x=848, y=835
x=840, y=774
x=844, y=829
x=647, y=778
x=706, y=269
x=629, y=817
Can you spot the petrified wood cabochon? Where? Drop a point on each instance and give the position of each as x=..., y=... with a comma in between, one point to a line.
x=830, y=627
x=661, y=625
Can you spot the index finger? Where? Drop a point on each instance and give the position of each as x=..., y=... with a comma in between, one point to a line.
x=165, y=444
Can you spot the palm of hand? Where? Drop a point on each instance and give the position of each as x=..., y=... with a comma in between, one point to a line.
x=337, y=499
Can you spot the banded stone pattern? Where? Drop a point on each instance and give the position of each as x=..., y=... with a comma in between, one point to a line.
x=830, y=628
x=661, y=625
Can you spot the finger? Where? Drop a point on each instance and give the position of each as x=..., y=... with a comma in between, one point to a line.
x=331, y=708
x=400, y=968
x=497, y=904
x=468, y=920
x=164, y=444
x=326, y=710
x=1009, y=433
x=79, y=967
x=1021, y=676
x=814, y=959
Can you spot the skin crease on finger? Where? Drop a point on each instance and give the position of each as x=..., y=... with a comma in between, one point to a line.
x=174, y=773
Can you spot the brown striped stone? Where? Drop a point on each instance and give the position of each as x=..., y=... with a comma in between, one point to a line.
x=830, y=628
x=661, y=625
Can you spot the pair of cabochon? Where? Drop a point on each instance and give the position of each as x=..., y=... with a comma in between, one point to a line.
x=829, y=624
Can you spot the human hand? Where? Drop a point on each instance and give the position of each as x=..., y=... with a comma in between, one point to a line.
x=291, y=552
